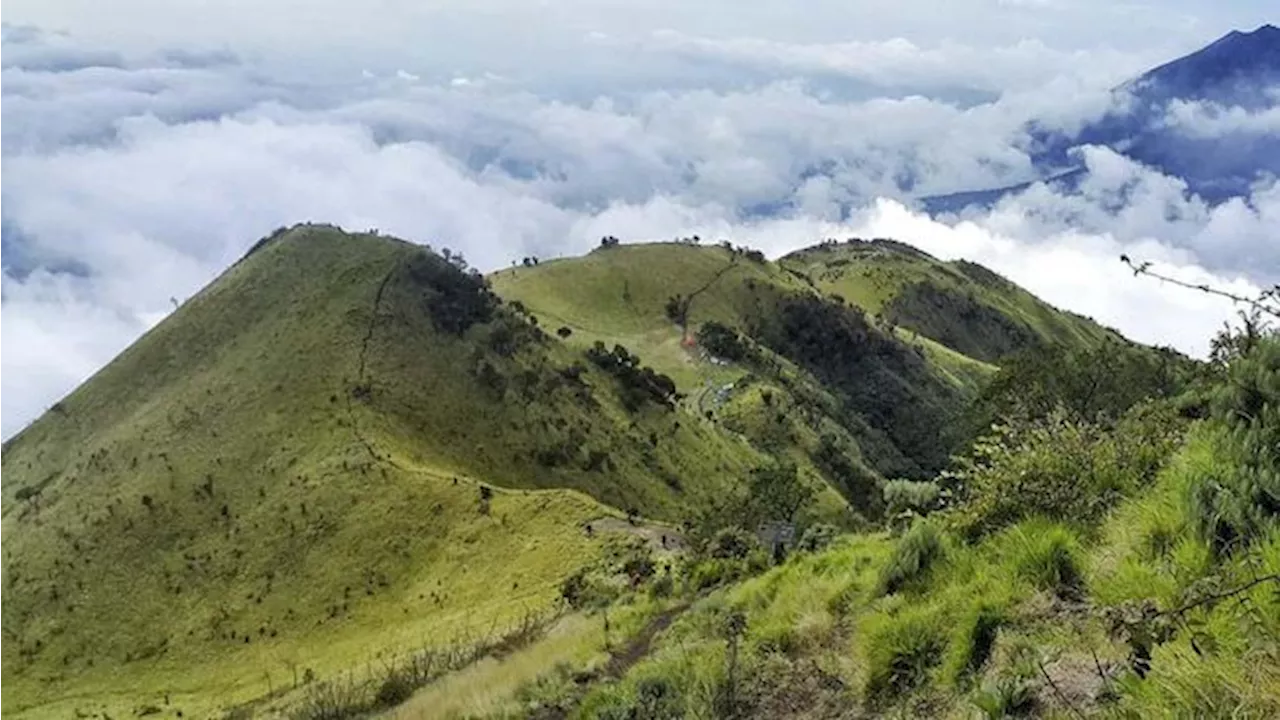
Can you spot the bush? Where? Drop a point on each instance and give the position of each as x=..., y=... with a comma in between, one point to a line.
x=574, y=589
x=905, y=499
x=662, y=587
x=900, y=654
x=657, y=698
x=1058, y=468
x=732, y=543
x=395, y=689
x=817, y=537
x=1092, y=384
x=722, y=341
x=913, y=556
x=1235, y=506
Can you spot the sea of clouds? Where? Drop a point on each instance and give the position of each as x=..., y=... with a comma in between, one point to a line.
x=135, y=175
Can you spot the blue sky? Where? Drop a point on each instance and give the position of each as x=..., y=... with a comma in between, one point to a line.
x=148, y=143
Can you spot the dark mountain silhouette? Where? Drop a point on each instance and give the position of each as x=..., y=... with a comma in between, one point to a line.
x=1165, y=119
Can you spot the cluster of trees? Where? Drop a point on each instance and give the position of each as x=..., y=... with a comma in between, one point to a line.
x=880, y=380
x=723, y=342
x=1094, y=384
x=639, y=383
x=958, y=320
x=741, y=250
x=454, y=299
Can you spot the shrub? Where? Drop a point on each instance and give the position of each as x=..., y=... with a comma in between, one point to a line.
x=722, y=341
x=657, y=698
x=900, y=654
x=916, y=552
x=1237, y=504
x=817, y=537
x=662, y=587
x=395, y=688
x=1091, y=384
x=1057, y=468
x=905, y=499
x=732, y=543
x=574, y=589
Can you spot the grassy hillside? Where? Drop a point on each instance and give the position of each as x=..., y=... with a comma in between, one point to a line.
x=856, y=400
x=1077, y=568
x=290, y=471
x=960, y=304
x=348, y=448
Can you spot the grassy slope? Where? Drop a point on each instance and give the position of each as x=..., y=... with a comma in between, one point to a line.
x=618, y=295
x=818, y=628
x=286, y=521
x=886, y=278
x=267, y=475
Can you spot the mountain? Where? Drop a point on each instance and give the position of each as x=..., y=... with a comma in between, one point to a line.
x=1181, y=119
x=1236, y=70
x=959, y=304
x=347, y=443
x=294, y=464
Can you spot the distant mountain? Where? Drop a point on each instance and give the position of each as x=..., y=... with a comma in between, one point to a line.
x=1238, y=70
x=1178, y=118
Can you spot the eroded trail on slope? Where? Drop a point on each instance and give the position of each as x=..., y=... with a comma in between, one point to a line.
x=640, y=645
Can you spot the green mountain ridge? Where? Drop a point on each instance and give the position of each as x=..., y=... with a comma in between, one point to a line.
x=960, y=304
x=347, y=443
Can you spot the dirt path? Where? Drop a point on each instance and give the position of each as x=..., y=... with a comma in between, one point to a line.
x=635, y=651
x=660, y=537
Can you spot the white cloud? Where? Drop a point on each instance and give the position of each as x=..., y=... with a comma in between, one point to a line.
x=900, y=62
x=1207, y=120
x=154, y=171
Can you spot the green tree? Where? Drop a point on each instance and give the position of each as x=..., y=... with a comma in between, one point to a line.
x=778, y=492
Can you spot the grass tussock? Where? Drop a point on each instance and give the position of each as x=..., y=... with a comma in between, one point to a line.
x=914, y=555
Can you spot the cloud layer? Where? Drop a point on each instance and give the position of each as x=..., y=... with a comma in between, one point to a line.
x=136, y=176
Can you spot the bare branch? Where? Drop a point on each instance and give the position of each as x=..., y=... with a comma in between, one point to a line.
x=1268, y=302
x=1275, y=578
x=1058, y=691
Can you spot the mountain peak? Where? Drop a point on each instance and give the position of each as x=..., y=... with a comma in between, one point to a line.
x=1262, y=35
x=1233, y=70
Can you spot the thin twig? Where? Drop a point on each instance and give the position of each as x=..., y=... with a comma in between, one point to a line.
x=1222, y=595
x=1058, y=691
x=1262, y=303
x=1106, y=679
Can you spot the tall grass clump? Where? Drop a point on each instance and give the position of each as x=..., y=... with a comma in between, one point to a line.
x=974, y=639
x=1049, y=557
x=915, y=553
x=901, y=651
